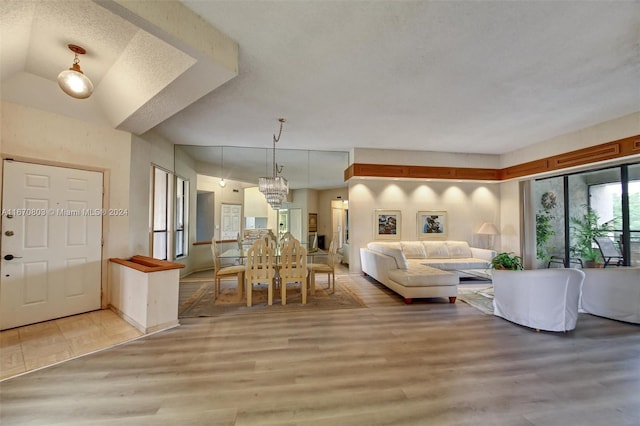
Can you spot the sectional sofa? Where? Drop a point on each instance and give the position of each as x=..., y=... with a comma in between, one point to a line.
x=422, y=269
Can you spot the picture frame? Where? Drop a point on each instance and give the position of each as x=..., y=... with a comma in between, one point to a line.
x=432, y=224
x=313, y=222
x=387, y=224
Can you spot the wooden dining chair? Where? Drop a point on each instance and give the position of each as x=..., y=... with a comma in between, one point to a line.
x=285, y=237
x=220, y=272
x=328, y=268
x=293, y=268
x=260, y=269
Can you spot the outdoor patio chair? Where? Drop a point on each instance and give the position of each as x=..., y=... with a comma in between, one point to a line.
x=609, y=251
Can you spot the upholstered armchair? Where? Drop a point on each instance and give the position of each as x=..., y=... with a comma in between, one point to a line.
x=544, y=299
x=612, y=293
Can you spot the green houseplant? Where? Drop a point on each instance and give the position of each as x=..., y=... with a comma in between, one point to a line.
x=544, y=225
x=584, y=229
x=507, y=262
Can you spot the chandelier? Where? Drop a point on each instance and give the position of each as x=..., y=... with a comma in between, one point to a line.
x=275, y=188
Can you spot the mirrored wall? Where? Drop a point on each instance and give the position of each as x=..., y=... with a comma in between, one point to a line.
x=302, y=168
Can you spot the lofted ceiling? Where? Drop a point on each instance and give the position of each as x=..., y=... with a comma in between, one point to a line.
x=450, y=76
x=143, y=68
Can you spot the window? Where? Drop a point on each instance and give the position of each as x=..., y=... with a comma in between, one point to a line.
x=161, y=214
x=182, y=213
x=602, y=202
x=169, y=220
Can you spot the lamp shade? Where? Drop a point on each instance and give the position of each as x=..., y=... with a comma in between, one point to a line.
x=488, y=229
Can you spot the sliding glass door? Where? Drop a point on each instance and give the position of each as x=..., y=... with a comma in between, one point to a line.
x=633, y=200
x=572, y=210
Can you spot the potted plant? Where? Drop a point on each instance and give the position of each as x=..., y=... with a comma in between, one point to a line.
x=584, y=229
x=507, y=262
x=544, y=226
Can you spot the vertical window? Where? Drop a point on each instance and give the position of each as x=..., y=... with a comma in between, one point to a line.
x=161, y=214
x=182, y=213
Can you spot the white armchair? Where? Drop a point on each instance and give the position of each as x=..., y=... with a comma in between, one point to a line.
x=612, y=293
x=544, y=299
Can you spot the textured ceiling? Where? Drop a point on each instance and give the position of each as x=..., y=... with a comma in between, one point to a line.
x=143, y=69
x=451, y=76
x=455, y=76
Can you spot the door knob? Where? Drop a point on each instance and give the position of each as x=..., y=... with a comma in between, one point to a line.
x=11, y=257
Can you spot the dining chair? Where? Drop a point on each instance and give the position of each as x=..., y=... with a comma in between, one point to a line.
x=293, y=268
x=260, y=269
x=328, y=268
x=219, y=272
x=286, y=237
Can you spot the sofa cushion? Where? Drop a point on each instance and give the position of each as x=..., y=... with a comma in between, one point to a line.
x=436, y=249
x=459, y=249
x=455, y=264
x=413, y=249
x=423, y=277
x=393, y=249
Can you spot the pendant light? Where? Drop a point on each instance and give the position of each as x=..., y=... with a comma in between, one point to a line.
x=73, y=81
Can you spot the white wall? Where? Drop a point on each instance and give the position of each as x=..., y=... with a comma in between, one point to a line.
x=510, y=214
x=48, y=138
x=609, y=131
x=423, y=158
x=468, y=206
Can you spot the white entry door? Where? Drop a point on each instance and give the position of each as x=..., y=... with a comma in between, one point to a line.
x=51, y=243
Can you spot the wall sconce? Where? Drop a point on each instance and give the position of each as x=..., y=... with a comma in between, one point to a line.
x=490, y=230
x=73, y=82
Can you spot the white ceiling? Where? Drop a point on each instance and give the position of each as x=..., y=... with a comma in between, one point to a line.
x=452, y=76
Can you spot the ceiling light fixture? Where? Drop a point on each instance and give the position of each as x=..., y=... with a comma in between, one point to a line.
x=275, y=188
x=73, y=81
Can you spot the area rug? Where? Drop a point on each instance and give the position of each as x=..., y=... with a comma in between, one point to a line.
x=479, y=298
x=196, y=299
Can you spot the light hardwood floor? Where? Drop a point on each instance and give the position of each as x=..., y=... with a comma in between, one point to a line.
x=429, y=363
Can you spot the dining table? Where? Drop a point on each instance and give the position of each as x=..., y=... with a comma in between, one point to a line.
x=239, y=254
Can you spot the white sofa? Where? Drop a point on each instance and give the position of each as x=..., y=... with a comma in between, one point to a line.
x=422, y=269
x=544, y=299
x=612, y=293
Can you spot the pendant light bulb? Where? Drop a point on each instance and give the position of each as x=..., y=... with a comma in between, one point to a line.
x=73, y=82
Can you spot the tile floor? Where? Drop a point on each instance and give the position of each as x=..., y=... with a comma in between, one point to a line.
x=34, y=346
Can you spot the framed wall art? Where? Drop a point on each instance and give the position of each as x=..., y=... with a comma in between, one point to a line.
x=388, y=224
x=432, y=224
